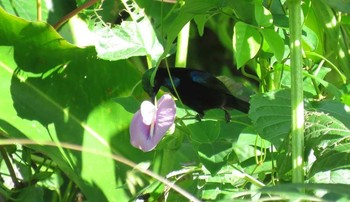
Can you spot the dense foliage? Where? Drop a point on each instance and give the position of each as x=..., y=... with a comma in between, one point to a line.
x=69, y=92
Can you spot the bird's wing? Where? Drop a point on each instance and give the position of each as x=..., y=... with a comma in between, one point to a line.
x=209, y=81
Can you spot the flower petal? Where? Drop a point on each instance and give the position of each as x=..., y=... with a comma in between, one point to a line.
x=165, y=116
x=140, y=136
x=148, y=112
x=139, y=132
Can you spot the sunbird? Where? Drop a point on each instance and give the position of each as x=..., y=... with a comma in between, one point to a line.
x=199, y=90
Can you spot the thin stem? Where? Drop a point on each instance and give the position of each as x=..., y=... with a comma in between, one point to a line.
x=342, y=76
x=38, y=10
x=73, y=13
x=297, y=132
x=9, y=166
x=246, y=74
x=182, y=46
x=315, y=84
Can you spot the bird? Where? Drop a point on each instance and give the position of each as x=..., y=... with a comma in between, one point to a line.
x=197, y=89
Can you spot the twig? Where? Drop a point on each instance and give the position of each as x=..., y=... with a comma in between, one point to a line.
x=73, y=13
x=38, y=10
x=9, y=166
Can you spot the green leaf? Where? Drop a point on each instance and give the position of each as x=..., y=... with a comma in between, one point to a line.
x=200, y=20
x=244, y=146
x=271, y=115
x=310, y=38
x=204, y=131
x=308, y=83
x=263, y=17
x=244, y=10
x=192, y=8
x=246, y=43
x=214, y=156
x=30, y=194
x=323, y=130
x=26, y=9
x=335, y=109
x=293, y=191
x=332, y=159
x=341, y=176
x=332, y=30
x=130, y=104
x=32, y=38
x=275, y=43
x=69, y=94
x=131, y=38
x=346, y=99
x=339, y=5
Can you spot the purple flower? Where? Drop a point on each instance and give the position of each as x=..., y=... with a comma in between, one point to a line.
x=150, y=123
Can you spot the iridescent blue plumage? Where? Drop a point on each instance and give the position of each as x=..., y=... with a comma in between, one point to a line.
x=198, y=90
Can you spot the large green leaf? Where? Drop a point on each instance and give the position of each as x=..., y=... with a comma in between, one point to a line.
x=322, y=130
x=204, y=131
x=335, y=109
x=263, y=16
x=310, y=39
x=331, y=29
x=274, y=42
x=26, y=9
x=246, y=43
x=214, y=155
x=341, y=176
x=131, y=38
x=339, y=5
x=67, y=92
x=293, y=191
x=332, y=159
x=271, y=115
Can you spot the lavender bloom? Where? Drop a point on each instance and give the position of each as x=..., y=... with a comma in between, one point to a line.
x=150, y=123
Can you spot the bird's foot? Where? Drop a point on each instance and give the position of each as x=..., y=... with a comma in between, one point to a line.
x=227, y=116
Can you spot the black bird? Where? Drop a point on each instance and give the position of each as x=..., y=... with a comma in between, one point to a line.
x=197, y=89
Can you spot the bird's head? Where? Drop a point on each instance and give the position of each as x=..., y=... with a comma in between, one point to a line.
x=148, y=87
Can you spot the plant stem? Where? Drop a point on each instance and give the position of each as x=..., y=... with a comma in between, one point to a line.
x=73, y=13
x=182, y=46
x=9, y=165
x=297, y=104
x=38, y=10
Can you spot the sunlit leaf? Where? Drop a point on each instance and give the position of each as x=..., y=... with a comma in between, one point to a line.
x=65, y=100
x=271, y=115
x=131, y=38
x=246, y=43
x=341, y=176
x=275, y=42
x=322, y=130
x=332, y=159
x=334, y=108
x=263, y=16
x=293, y=191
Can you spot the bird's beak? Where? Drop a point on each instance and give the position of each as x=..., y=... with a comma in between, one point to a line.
x=153, y=96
